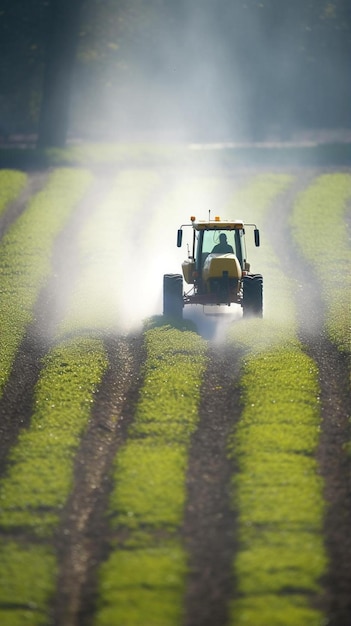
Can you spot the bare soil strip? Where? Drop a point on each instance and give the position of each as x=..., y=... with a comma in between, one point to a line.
x=334, y=377
x=335, y=467
x=209, y=524
x=82, y=540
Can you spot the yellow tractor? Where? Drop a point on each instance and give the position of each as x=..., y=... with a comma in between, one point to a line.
x=216, y=270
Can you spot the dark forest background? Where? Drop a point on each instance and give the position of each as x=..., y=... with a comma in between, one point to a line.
x=188, y=70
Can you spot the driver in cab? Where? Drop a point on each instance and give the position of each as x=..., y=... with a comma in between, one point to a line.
x=223, y=247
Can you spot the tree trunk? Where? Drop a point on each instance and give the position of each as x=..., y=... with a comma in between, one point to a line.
x=61, y=51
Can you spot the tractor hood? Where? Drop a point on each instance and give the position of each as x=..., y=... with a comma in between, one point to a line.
x=217, y=264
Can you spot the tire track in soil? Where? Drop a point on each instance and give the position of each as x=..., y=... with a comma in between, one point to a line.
x=82, y=541
x=210, y=523
x=335, y=467
x=334, y=377
x=16, y=402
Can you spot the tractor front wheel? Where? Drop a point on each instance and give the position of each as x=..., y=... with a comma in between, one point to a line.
x=253, y=296
x=173, y=296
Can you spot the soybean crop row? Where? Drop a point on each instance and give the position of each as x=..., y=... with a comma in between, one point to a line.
x=318, y=228
x=40, y=467
x=25, y=255
x=11, y=183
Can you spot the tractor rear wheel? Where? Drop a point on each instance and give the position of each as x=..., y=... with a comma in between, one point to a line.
x=253, y=296
x=173, y=296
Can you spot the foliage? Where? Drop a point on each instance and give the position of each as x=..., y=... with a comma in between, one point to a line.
x=143, y=582
x=21, y=601
x=277, y=491
x=162, y=65
x=40, y=475
x=318, y=228
x=25, y=254
x=11, y=183
x=145, y=573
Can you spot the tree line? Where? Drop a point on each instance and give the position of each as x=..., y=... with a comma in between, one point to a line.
x=208, y=69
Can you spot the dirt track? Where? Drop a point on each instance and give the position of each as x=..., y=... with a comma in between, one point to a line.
x=209, y=525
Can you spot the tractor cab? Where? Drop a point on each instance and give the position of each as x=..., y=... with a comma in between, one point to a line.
x=217, y=268
x=220, y=241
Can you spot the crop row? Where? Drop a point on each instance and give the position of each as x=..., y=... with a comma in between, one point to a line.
x=274, y=444
x=128, y=577
x=277, y=491
x=25, y=257
x=11, y=183
x=70, y=375
x=39, y=477
x=40, y=466
x=145, y=572
x=282, y=357
x=318, y=228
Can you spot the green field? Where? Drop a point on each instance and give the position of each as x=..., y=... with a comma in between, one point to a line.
x=117, y=238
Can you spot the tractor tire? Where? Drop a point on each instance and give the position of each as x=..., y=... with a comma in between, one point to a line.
x=173, y=296
x=253, y=296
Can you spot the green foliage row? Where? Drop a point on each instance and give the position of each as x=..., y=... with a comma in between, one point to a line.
x=40, y=476
x=319, y=230
x=27, y=572
x=40, y=473
x=11, y=184
x=277, y=491
x=148, y=499
x=145, y=572
x=25, y=257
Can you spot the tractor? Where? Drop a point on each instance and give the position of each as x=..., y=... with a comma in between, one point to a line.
x=216, y=269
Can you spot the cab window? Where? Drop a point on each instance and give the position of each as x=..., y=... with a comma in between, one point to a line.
x=212, y=239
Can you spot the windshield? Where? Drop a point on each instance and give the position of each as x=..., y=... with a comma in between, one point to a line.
x=220, y=242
